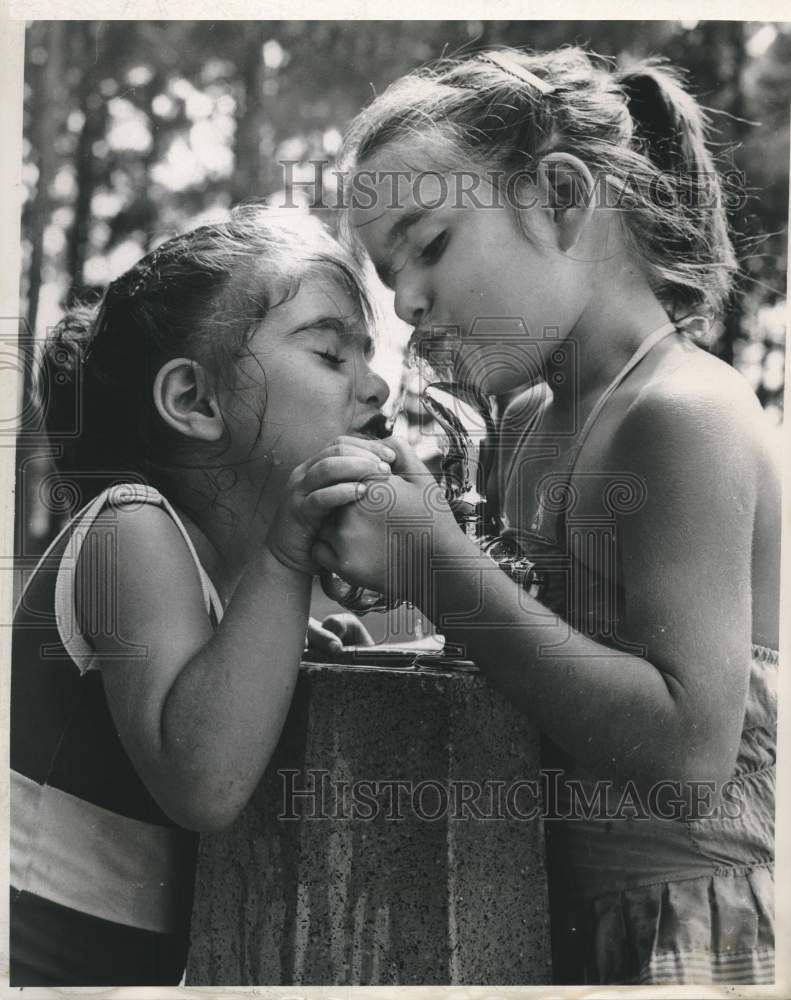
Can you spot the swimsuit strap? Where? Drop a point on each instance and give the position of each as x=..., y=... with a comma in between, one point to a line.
x=654, y=338
x=647, y=345
x=74, y=642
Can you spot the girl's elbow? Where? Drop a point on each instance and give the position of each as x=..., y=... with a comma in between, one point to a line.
x=713, y=766
x=203, y=810
x=204, y=818
x=695, y=768
x=210, y=821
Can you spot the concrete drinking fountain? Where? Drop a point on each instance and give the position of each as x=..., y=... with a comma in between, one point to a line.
x=394, y=839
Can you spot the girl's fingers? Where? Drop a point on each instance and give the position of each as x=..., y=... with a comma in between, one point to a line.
x=340, y=449
x=322, y=639
x=378, y=447
x=324, y=555
x=349, y=628
x=356, y=447
x=335, y=624
x=337, y=469
x=347, y=447
x=319, y=502
x=407, y=464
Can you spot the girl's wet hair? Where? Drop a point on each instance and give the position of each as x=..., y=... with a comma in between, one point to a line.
x=199, y=295
x=637, y=129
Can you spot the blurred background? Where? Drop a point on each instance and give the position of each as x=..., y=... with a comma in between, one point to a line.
x=135, y=130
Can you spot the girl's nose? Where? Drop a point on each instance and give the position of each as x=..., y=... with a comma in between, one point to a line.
x=372, y=388
x=411, y=300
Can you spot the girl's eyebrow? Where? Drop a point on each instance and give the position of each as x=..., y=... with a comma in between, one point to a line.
x=406, y=221
x=351, y=329
x=332, y=323
x=384, y=272
x=397, y=232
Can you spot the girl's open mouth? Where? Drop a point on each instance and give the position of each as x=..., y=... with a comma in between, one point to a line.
x=378, y=426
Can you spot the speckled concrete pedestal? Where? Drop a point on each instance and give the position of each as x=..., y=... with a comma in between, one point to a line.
x=343, y=900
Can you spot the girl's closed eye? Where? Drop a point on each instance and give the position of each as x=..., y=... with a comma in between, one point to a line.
x=433, y=250
x=331, y=357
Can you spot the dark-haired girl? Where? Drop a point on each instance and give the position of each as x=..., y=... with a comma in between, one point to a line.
x=554, y=232
x=224, y=393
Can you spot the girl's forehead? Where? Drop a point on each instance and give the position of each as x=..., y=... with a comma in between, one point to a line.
x=317, y=298
x=319, y=305
x=390, y=202
x=416, y=152
x=382, y=227
x=297, y=280
x=393, y=189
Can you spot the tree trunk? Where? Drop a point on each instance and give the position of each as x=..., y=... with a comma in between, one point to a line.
x=32, y=519
x=44, y=107
x=246, y=182
x=95, y=114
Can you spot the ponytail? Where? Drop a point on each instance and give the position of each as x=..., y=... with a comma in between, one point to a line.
x=668, y=123
x=685, y=199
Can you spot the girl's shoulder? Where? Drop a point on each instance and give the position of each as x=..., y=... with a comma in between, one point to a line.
x=691, y=373
x=143, y=528
x=139, y=549
x=149, y=537
x=129, y=516
x=696, y=408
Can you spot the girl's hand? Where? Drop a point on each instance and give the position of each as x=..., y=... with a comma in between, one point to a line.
x=400, y=520
x=335, y=632
x=334, y=477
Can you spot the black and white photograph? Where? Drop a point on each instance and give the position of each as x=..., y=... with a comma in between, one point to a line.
x=394, y=504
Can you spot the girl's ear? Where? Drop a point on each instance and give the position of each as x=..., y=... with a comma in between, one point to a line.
x=568, y=191
x=185, y=400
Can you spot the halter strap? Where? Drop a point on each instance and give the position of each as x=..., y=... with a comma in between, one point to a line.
x=647, y=345
x=654, y=338
x=74, y=642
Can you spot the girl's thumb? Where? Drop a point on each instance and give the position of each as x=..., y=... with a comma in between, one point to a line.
x=407, y=464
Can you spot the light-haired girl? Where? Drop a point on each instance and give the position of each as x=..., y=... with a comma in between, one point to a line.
x=211, y=413
x=554, y=232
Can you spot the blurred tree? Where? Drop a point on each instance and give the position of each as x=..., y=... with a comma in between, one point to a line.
x=251, y=125
x=45, y=58
x=90, y=119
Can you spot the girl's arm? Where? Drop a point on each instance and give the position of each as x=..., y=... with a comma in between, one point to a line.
x=199, y=711
x=676, y=712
